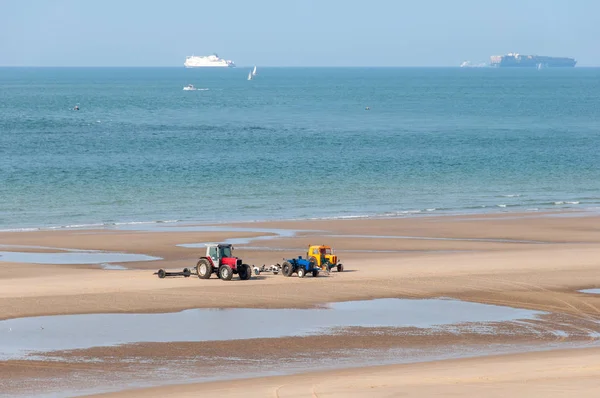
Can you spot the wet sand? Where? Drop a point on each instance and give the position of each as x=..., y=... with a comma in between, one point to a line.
x=565, y=373
x=527, y=261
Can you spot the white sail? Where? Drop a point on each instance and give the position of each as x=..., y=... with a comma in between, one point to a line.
x=254, y=71
x=249, y=75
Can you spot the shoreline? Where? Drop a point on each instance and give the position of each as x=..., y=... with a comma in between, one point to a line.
x=499, y=211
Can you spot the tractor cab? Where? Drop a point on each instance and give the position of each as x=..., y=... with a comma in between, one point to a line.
x=222, y=254
x=219, y=251
x=324, y=257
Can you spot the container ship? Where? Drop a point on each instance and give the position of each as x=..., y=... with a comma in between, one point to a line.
x=530, y=61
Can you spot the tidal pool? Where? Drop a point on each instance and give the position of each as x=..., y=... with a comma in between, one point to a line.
x=74, y=257
x=21, y=336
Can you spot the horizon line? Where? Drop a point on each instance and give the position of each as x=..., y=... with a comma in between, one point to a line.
x=276, y=66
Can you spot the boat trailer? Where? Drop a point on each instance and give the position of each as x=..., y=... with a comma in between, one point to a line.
x=274, y=268
x=162, y=273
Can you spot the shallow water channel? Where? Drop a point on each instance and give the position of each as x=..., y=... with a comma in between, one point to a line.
x=591, y=291
x=73, y=257
x=21, y=336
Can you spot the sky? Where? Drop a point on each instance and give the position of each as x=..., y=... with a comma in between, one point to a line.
x=294, y=32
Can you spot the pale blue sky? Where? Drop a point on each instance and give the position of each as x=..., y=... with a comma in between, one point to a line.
x=294, y=33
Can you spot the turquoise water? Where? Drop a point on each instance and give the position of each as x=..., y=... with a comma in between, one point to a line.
x=293, y=143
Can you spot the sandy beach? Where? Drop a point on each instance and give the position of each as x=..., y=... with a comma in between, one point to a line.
x=534, y=261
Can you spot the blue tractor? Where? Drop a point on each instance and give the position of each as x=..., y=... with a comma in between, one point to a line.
x=299, y=265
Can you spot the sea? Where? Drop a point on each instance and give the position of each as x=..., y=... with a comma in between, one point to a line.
x=293, y=143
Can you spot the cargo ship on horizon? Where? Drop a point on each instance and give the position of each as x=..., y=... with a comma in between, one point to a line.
x=515, y=60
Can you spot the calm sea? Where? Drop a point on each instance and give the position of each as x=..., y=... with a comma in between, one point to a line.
x=293, y=143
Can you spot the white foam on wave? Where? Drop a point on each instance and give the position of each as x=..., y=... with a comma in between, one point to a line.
x=134, y=223
x=19, y=229
x=75, y=226
x=515, y=195
x=357, y=216
x=501, y=205
x=87, y=226
x=400, y=213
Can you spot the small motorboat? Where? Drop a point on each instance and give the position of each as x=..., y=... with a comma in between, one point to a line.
x=190, y=87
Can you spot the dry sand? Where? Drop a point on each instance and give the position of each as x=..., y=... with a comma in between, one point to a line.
x=528, y=260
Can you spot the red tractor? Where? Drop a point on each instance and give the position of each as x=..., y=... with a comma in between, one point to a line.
x=220, y=260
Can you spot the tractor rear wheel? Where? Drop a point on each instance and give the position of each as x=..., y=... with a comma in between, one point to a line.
x=203, y=269
x=225, y=272
x=301, y=272
x=244, y=272
x=315, y=272
x=340, y=268
x=287, y=269
x=313, y=262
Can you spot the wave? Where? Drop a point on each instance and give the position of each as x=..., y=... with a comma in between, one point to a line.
x=19, y=229
x=87, y=226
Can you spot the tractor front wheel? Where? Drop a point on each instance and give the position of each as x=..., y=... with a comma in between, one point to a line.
x=225, y=272
x=301, y=272
x=244, y=272
x=287, y=269
x=203, y=269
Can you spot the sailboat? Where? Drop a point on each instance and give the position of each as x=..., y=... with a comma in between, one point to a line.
x=254, y=71
x=250, y=75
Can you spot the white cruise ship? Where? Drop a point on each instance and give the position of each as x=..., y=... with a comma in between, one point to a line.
x=194, y=61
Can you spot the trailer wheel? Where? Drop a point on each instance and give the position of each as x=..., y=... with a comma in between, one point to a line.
x=203, y=269
x=287, y=269
x=301, y=272
x=315, y=272
x=340, y=268
x=186, y=272
x=244, y=272
x=225, y=272
x=161, y=273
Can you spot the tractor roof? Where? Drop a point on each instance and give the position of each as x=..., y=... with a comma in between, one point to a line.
x=218, y=244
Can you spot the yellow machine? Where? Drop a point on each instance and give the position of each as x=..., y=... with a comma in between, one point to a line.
x=324, y=257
